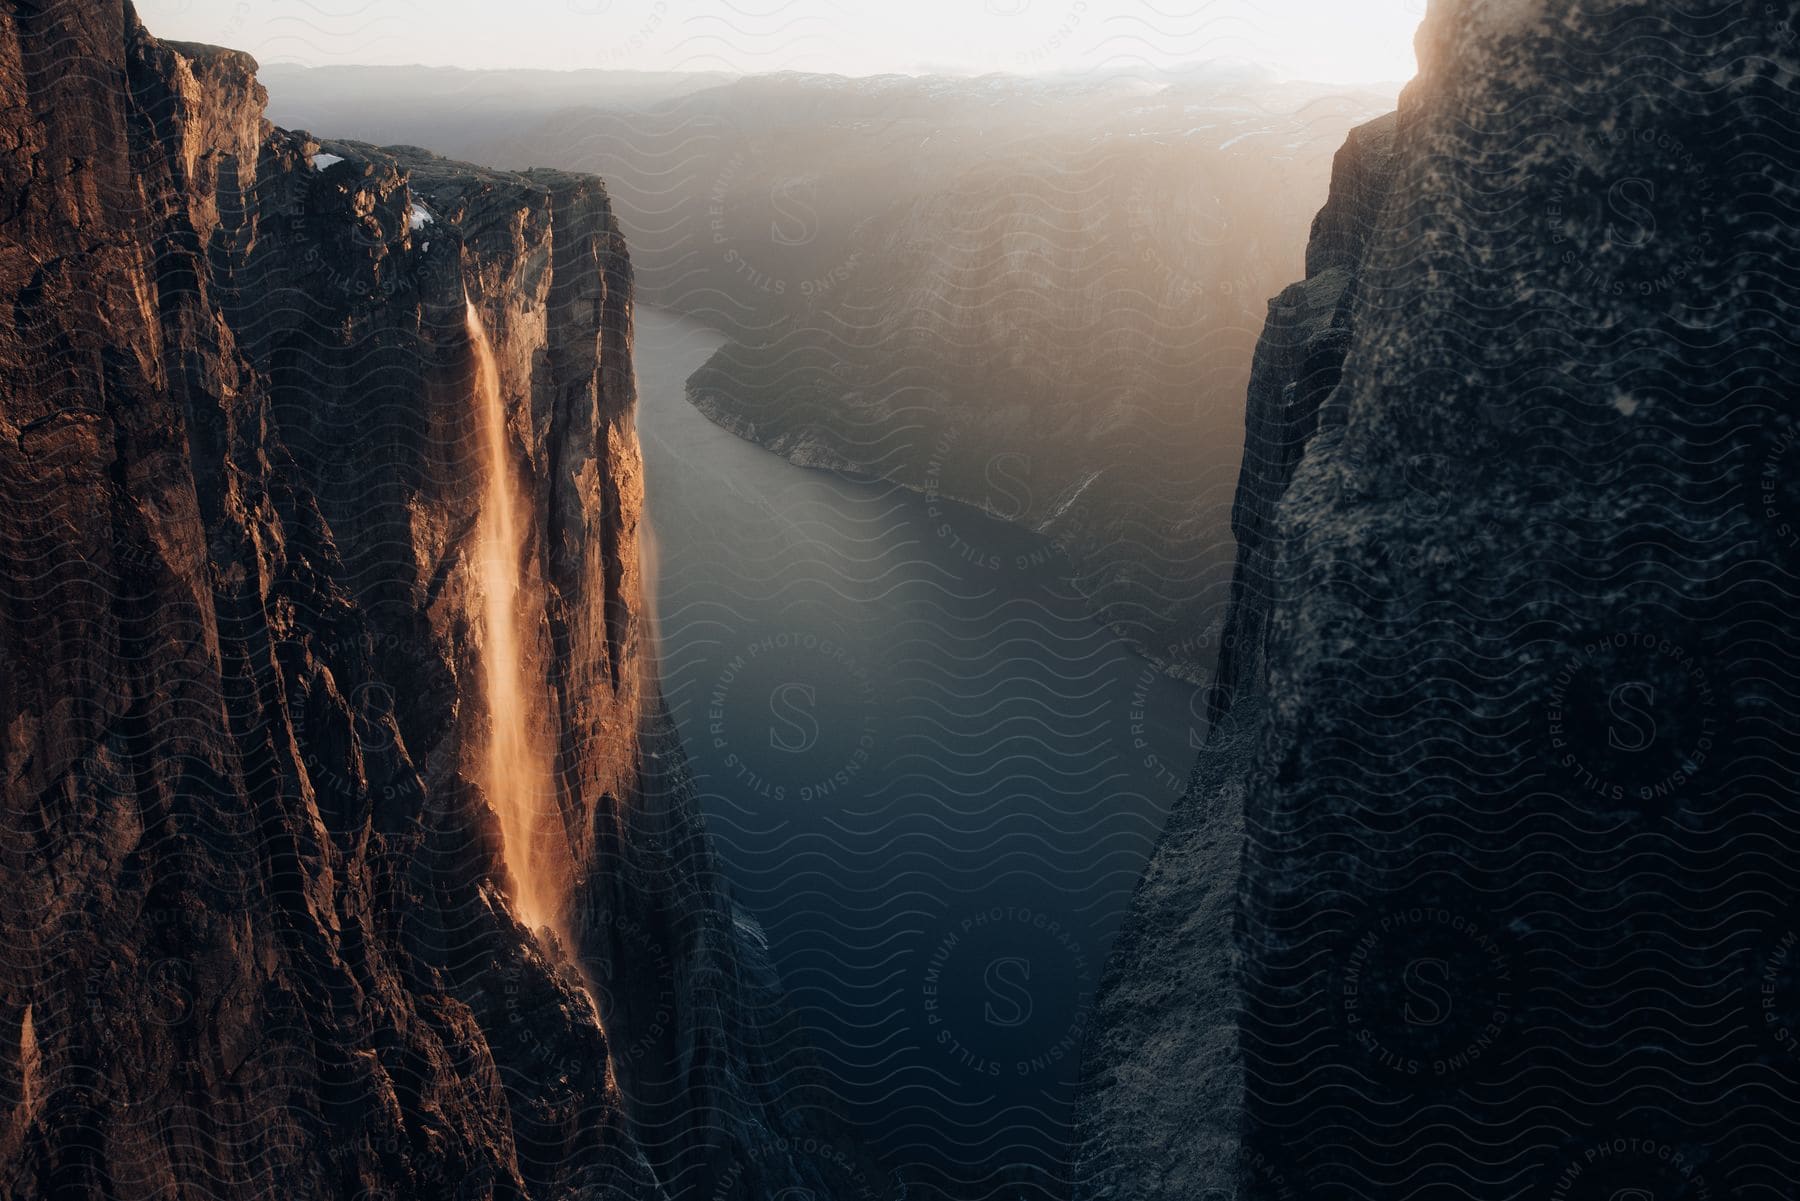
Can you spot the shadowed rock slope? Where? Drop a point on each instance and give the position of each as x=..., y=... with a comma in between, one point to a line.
x=1163, y=1081
x=258, y=928
x=1502, y=781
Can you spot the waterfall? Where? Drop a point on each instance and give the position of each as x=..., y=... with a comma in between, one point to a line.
x=517, y=773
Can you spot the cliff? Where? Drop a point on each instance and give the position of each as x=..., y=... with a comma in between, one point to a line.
x=1162, y=1085
x=1498, y=791
x=260, y=904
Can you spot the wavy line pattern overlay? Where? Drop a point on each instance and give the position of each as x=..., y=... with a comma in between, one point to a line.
x=1516, y=900
x=1014, y=319
x=852, y=794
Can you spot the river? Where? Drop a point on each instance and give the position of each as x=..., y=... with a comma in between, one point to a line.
x=930, y=775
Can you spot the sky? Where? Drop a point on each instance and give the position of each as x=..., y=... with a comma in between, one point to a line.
x=1345, y=41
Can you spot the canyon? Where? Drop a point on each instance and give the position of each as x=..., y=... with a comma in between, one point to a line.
x=1034, y=296
x=382, y=821
x=933, y=785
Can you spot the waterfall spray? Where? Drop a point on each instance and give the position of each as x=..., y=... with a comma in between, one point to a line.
x=517, y=774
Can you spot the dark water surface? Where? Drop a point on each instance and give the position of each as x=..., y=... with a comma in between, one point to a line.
x=931, y=776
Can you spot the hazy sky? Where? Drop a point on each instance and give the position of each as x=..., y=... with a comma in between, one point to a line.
x=1338, y=40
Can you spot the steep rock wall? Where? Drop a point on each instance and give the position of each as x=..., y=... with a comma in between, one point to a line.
x=1162, y=1083
x=1505, y=719
x=260, y=941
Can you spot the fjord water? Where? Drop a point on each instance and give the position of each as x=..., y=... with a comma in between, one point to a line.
x=932, y=778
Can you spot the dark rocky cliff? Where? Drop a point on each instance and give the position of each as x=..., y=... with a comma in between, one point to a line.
x=1502, y=777
x=258, y=926
x=1163, y=1080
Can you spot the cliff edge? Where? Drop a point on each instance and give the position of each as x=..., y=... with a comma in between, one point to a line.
x=1513, y=657
x=262, y=928
x=1163, y=1082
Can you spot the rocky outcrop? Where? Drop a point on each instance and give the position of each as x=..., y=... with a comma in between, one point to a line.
x=1299, y=360
x=1514, y=657
x=260, y=926
x=1163, y=1081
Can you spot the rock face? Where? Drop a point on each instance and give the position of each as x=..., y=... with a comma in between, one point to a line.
x=1163, y=1080
x=1506, y=716
x=258, y=917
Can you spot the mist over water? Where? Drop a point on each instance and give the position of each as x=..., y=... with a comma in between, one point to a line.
x=932, y=777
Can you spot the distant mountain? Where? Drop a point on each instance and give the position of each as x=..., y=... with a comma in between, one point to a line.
x=396, y=99
x=1057, y=331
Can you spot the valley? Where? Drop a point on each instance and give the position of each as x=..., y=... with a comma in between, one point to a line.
x=1035, y=295
x=932, y=777
x=1132, y=627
